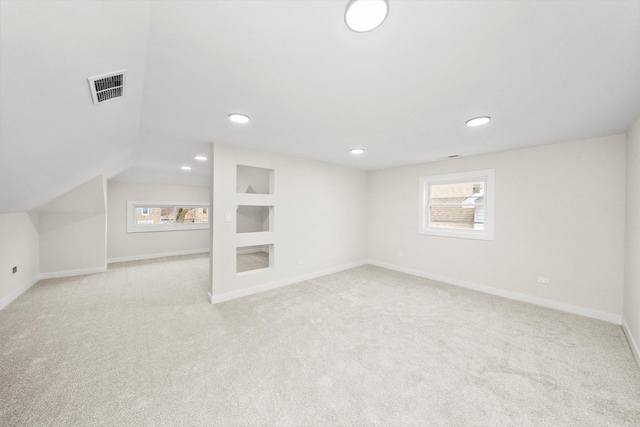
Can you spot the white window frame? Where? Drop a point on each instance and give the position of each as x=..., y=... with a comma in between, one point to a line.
x=427, y=182
x=133, y=227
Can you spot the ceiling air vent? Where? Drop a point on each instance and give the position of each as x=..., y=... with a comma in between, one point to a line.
x=107, y=86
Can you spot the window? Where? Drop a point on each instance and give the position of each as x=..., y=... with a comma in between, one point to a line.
x=166, y=216
x=457, y=205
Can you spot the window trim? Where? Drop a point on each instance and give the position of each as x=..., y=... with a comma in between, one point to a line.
x=132, y=208
x=426, y=182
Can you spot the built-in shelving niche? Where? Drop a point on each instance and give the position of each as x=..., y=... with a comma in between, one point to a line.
x=254, y=258
x=254, y=219
x=253, y=180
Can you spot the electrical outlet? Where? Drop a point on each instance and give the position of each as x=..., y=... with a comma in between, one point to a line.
x=300, y=261
x=14, y=270
x=543, y=280
x=400, y=254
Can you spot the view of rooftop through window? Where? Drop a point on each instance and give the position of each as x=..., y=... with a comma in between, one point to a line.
x=457, y=205
x=171, y=215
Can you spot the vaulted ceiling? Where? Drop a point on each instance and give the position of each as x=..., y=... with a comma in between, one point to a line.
x=546, y=72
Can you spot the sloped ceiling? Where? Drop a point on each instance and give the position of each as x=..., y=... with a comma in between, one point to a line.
x=52, y=137
x=545, y=71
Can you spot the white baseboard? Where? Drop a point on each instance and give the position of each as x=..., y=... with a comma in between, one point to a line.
x=15, y=294
x=588, y=312
x=158, y=255
x=69, y=273
x=50, y=275
x=632, y=342
x=214, y=299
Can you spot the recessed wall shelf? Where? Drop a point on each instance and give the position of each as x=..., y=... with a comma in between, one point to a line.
x=254, y=180
x=251, y=259
x=255, y=204
x=254, y=219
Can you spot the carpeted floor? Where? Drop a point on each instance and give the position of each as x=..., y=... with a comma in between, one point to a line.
x=140, y=345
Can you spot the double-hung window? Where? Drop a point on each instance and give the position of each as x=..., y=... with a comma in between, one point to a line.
x=458, y=205
x=166, y=216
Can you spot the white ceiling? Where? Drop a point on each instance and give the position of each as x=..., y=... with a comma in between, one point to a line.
x=546, y=71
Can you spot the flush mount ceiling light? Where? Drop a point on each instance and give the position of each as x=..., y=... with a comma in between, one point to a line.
x=186, y=168
x=365, y=15
x=357, y=150
x=478, y=121
x=239, y=118
x=201, y=158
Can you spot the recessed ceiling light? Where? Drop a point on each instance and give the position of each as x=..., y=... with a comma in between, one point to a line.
x=478, y=121
x=357, y=150
x=239, y=118
x=365, y=15
x=186, y=168
x=201, y=158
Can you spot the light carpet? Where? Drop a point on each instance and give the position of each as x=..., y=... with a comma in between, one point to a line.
x=140, y=345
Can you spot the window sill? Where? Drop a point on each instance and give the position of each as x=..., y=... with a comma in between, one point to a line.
x=167, y=228
x=461, y=234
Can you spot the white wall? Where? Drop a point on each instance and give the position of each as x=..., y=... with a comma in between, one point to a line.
x=19, y=246
x=73, y=231
x=122, y=245
x=559, y=213
x=72, y=242
x=319, y=218
x=631, y=309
